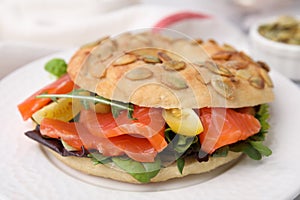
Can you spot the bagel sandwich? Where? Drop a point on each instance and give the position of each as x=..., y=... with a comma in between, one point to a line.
x=144, y=107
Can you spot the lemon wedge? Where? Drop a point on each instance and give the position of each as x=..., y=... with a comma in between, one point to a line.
x=183, y=121
x=63, y=109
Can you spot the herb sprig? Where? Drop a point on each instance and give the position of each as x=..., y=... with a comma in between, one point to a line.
x=95, y=99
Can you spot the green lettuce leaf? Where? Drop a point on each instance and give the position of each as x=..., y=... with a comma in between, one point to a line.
x=263, y=116
x=246, y=148
x=178, y=147
x=221, y=152
x=141, y=171
x=182, y=143
x=180, y=164
x=117, y=110
x=259, y=146
x=98, y=158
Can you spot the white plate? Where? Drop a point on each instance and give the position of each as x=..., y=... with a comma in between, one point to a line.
x=27, y=173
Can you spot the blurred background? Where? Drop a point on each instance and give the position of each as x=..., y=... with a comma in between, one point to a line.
x=34, y=28
x=65, y=23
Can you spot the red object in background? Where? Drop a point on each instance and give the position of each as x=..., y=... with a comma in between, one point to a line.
x=176, y=17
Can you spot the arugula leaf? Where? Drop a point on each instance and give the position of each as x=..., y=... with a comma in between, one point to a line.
x=262, y=115
x=246, y=148
x=117, y=110
x=221, y=152
x=130, y=112
x=97, y=99
x=252, y=152
x=54, y=99
x=264, y=150
x=179, y=146
x=181, y=143
x=98, y=158
x=141, y=171
x=56, y=67
x=180, y=164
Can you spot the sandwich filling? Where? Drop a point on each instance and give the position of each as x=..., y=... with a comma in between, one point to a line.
x=80, y=123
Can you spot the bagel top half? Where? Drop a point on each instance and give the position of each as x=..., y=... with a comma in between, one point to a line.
x=152, y=70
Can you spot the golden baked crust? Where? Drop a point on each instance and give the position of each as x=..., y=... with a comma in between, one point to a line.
x=150, y=70
x=192, y=166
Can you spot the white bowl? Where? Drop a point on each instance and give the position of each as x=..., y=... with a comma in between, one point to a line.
x=282, y=57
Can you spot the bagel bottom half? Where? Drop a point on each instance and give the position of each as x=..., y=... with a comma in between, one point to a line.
x=192, y=166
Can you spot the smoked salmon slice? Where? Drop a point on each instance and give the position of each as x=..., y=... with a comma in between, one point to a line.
x=149, y=124
x=225, y=126
x=61, y=130
x=138, y=149
x=76, y=135
x=139, y=139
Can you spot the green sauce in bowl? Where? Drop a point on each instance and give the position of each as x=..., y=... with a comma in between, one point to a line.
x=286, y=29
